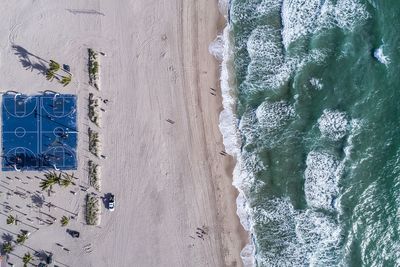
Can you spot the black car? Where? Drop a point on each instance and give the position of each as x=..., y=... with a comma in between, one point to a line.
x=66, y=67
x=73, y=233
x=49, y=258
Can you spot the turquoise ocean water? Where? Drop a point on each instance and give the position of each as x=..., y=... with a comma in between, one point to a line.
x=314, y=89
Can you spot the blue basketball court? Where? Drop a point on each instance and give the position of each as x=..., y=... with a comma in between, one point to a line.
x=39, y=132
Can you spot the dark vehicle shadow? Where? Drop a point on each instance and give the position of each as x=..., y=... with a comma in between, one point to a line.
x=30, y=61
x=73, y=233
x=105, y=199
x=41, y=255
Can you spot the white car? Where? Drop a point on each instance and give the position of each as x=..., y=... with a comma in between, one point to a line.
x=111, y=202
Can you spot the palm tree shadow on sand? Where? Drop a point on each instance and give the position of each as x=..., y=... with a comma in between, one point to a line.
x=7, y=237
x=41, y=255
x=30, y=61
x=38, y=200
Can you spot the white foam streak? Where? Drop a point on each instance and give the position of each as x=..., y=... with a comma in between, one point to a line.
x=231, y=139
x=228, y=119
x=378, y=54
x=216, y=48
x=316, y=83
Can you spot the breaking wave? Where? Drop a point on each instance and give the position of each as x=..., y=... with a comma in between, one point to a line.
x=378, y=54
x=263, y=55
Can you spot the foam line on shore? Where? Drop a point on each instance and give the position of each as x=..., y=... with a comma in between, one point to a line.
x=222, y=49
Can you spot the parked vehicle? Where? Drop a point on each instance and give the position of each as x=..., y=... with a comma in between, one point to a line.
x=73, y=233
x=66, y=67
x=49, y=258
x=111, y=202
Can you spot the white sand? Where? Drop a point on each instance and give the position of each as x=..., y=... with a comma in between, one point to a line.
x=168, y=179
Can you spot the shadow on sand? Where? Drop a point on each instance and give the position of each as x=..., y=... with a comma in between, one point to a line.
x=7, y=237
x=105, y=199
x=30, y=61
x=38, y=200
x=41, y=255
x=85, y=11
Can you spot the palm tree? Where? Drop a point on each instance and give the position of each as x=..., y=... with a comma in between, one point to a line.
x=11, y=219
x=64, y=220
x=65, y=182
x=21, y=238
x=54, y=66
x=65, y=80
x=50, y=75
x=46, y=184
x=51, y=178
x=7, y=247
x=27, y=258
x=67, y=179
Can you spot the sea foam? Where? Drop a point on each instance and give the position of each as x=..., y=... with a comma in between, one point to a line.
x=272, y=116
x=333, y=124
x=303, y=237
x=295, y=238
x=229, y=128
x=316, y=83
x=304, y=17
x=270, y=68
x=321, y=180
x=378, y=54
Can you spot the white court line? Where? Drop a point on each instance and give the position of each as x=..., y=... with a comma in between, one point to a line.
x=53, y=132
x=15, y=107
x=13, y=132
x=55, y=114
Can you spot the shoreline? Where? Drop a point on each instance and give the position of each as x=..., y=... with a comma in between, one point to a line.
x=222, y=49
x=234, y=237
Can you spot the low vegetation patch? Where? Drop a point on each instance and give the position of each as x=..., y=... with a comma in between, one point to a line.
x=92, y=210
x=64, y=221
x=94, y=142
x=94, y=175
x=21, y=238
x=93, y=65
x=93, y=109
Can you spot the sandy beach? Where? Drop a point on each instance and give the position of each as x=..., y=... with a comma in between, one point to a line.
x=168, y=178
